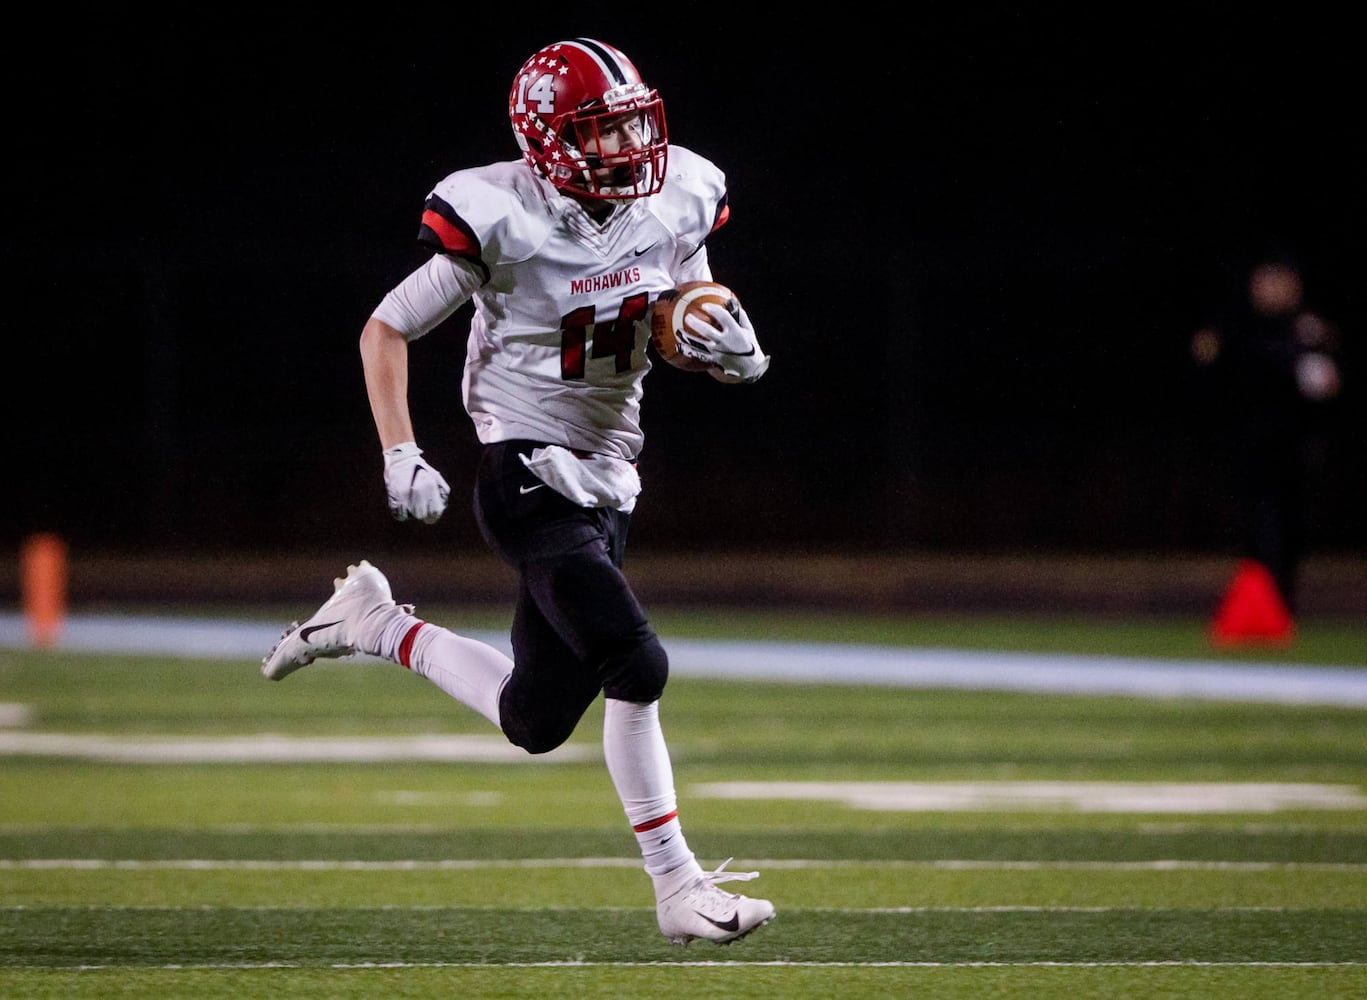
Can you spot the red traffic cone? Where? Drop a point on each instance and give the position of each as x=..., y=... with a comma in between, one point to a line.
x=1252, y=610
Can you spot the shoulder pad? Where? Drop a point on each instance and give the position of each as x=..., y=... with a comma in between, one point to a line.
x=486, y=214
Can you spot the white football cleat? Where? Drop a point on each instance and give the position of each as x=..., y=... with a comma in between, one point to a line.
x=332, y=631
x=689, y=905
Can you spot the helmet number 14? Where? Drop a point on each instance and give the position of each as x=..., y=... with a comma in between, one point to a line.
x=541, y=91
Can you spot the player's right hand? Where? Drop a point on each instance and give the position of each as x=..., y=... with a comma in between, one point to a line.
x=416, y=490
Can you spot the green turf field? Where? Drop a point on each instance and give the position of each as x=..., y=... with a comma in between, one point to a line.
x=185, y=828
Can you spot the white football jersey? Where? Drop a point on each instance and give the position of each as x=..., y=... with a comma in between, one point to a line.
x=557, y=346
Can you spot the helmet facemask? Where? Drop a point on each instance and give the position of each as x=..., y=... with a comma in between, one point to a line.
x=615, y=153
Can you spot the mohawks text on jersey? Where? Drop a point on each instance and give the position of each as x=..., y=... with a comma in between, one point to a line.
x=598, y=283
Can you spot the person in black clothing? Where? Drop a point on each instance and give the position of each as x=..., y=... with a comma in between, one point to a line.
x=1279, y=365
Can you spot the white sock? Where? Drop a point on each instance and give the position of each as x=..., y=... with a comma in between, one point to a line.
x=384, y=629
x=470, y=671
x=638, y=761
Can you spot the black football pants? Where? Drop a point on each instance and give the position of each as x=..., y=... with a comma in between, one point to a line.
x=577, y=627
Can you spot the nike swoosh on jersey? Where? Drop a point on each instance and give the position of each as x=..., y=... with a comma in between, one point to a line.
x=528, y=489
x=306, y=632
x=647, y=249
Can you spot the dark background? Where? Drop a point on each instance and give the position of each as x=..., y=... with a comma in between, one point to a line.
x=976, y=245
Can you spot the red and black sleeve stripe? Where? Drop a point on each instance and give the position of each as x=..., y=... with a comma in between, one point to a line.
x=722, y=215
x=444, y=231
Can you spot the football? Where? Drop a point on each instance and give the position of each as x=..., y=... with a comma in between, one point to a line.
x=668, y=312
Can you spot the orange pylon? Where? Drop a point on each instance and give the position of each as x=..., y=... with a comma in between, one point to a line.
x=44, y=582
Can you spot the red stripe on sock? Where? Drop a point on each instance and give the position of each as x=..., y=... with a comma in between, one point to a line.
x=406, y=646
x=656, y=823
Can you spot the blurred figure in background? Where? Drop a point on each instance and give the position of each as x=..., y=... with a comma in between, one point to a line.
x=1276, y=363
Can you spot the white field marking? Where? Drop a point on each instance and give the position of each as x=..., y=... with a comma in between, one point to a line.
x=401, y=797
x=879, y=965
x=1082, y=796
x=794, y=864
x=228, y=864
x=727, y=965
x=881, y=910
x=1182, y=826
x=1143, y=797
x=12, y=714
x=270, y=747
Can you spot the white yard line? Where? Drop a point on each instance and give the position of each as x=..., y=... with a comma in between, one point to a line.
x=795, y=864
x=1079, y=796
x=779, y=963
x=274, y=748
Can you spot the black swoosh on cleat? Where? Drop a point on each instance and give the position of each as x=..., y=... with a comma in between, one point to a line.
x=306, y=632
x=727, y=925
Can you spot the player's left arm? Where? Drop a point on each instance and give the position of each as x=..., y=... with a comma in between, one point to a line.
x=733, y=353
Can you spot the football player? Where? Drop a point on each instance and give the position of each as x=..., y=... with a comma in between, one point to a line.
x=562, y=253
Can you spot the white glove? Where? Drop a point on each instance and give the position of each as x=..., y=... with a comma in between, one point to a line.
x=730, y=345
x=415, y=489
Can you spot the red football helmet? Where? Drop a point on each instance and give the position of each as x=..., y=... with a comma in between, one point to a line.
x=583, y=117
